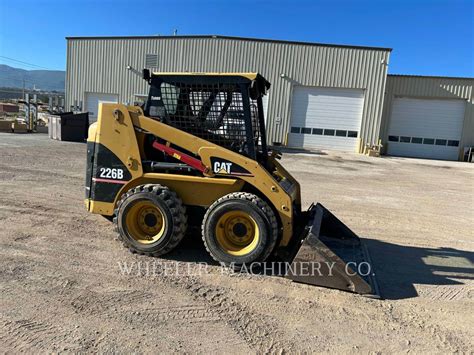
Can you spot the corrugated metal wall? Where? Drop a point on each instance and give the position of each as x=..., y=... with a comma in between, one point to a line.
x=99, y=65
x=431, y=88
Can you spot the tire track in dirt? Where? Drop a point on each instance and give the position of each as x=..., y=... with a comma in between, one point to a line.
x=444, y=339
x=449, y=293
x=449, y=341
x=94, y=303
x=27, y=335
x=34, y=209
x=38, y=173
x=259, y=331
x=122, y=305
x=187, y=313
x=123, y=308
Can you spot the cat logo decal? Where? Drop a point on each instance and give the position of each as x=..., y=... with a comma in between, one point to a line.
x=224, y=167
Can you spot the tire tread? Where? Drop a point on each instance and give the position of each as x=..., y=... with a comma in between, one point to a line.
x=178, y=211
x=257, y=201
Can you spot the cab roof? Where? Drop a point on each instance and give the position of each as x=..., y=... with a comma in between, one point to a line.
x=250, y=76
x=214, y=77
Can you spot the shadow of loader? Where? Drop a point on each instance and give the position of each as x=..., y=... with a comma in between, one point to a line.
x=398, y=268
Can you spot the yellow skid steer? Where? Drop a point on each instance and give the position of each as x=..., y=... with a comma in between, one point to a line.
x=196, y=154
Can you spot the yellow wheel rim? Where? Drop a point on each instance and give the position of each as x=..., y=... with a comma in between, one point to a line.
x=145, y=222
x=237, y=233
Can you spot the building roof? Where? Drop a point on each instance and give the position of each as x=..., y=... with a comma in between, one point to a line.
x=430, y=76
x=234, y=38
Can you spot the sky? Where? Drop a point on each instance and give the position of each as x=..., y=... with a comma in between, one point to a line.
x=428, y=37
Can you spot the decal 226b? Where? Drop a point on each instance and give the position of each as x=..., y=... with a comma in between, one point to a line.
x=111, y=173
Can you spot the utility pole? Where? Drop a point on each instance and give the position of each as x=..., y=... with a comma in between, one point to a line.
x=23, y=88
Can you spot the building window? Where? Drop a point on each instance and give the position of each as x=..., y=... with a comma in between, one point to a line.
x=453, y=143
x=416, y=140
x=404, y=139
x=325, y=132
x=441, y=142
x=428, y=141
x=393, y=138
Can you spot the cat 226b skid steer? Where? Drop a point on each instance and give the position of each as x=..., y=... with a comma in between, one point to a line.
x=196, y=153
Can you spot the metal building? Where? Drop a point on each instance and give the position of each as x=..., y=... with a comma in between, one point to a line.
x=428, y=117
x=322, y=96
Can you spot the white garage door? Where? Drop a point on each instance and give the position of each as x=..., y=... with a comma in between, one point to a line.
x=426, y=128
x=326, y=118
x=93, y=99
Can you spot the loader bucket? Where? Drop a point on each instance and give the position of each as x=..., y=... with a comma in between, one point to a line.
x=331, y=255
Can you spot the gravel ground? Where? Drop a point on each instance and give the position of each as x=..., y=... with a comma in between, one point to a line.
x=64, y=287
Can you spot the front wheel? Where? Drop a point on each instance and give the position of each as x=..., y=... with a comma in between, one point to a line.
x=240, y=228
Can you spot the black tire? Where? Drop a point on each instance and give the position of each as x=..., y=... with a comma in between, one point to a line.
x=260, y=212
x=173, y=215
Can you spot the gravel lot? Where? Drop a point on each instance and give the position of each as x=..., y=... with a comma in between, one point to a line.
x=62, y=287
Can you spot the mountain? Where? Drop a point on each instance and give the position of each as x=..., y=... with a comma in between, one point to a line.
x=41, y=79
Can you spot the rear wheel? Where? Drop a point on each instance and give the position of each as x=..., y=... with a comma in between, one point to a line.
x=240, y=228
x=151, y=220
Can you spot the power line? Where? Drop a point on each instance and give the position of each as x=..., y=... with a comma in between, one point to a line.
x=22, y=62
x=26, y=63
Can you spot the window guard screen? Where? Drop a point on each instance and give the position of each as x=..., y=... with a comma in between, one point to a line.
x=214, y=112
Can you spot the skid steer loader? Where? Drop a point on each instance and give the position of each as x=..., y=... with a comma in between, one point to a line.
x=196, y=153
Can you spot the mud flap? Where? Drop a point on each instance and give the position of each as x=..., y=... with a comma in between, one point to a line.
x=331, y=255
